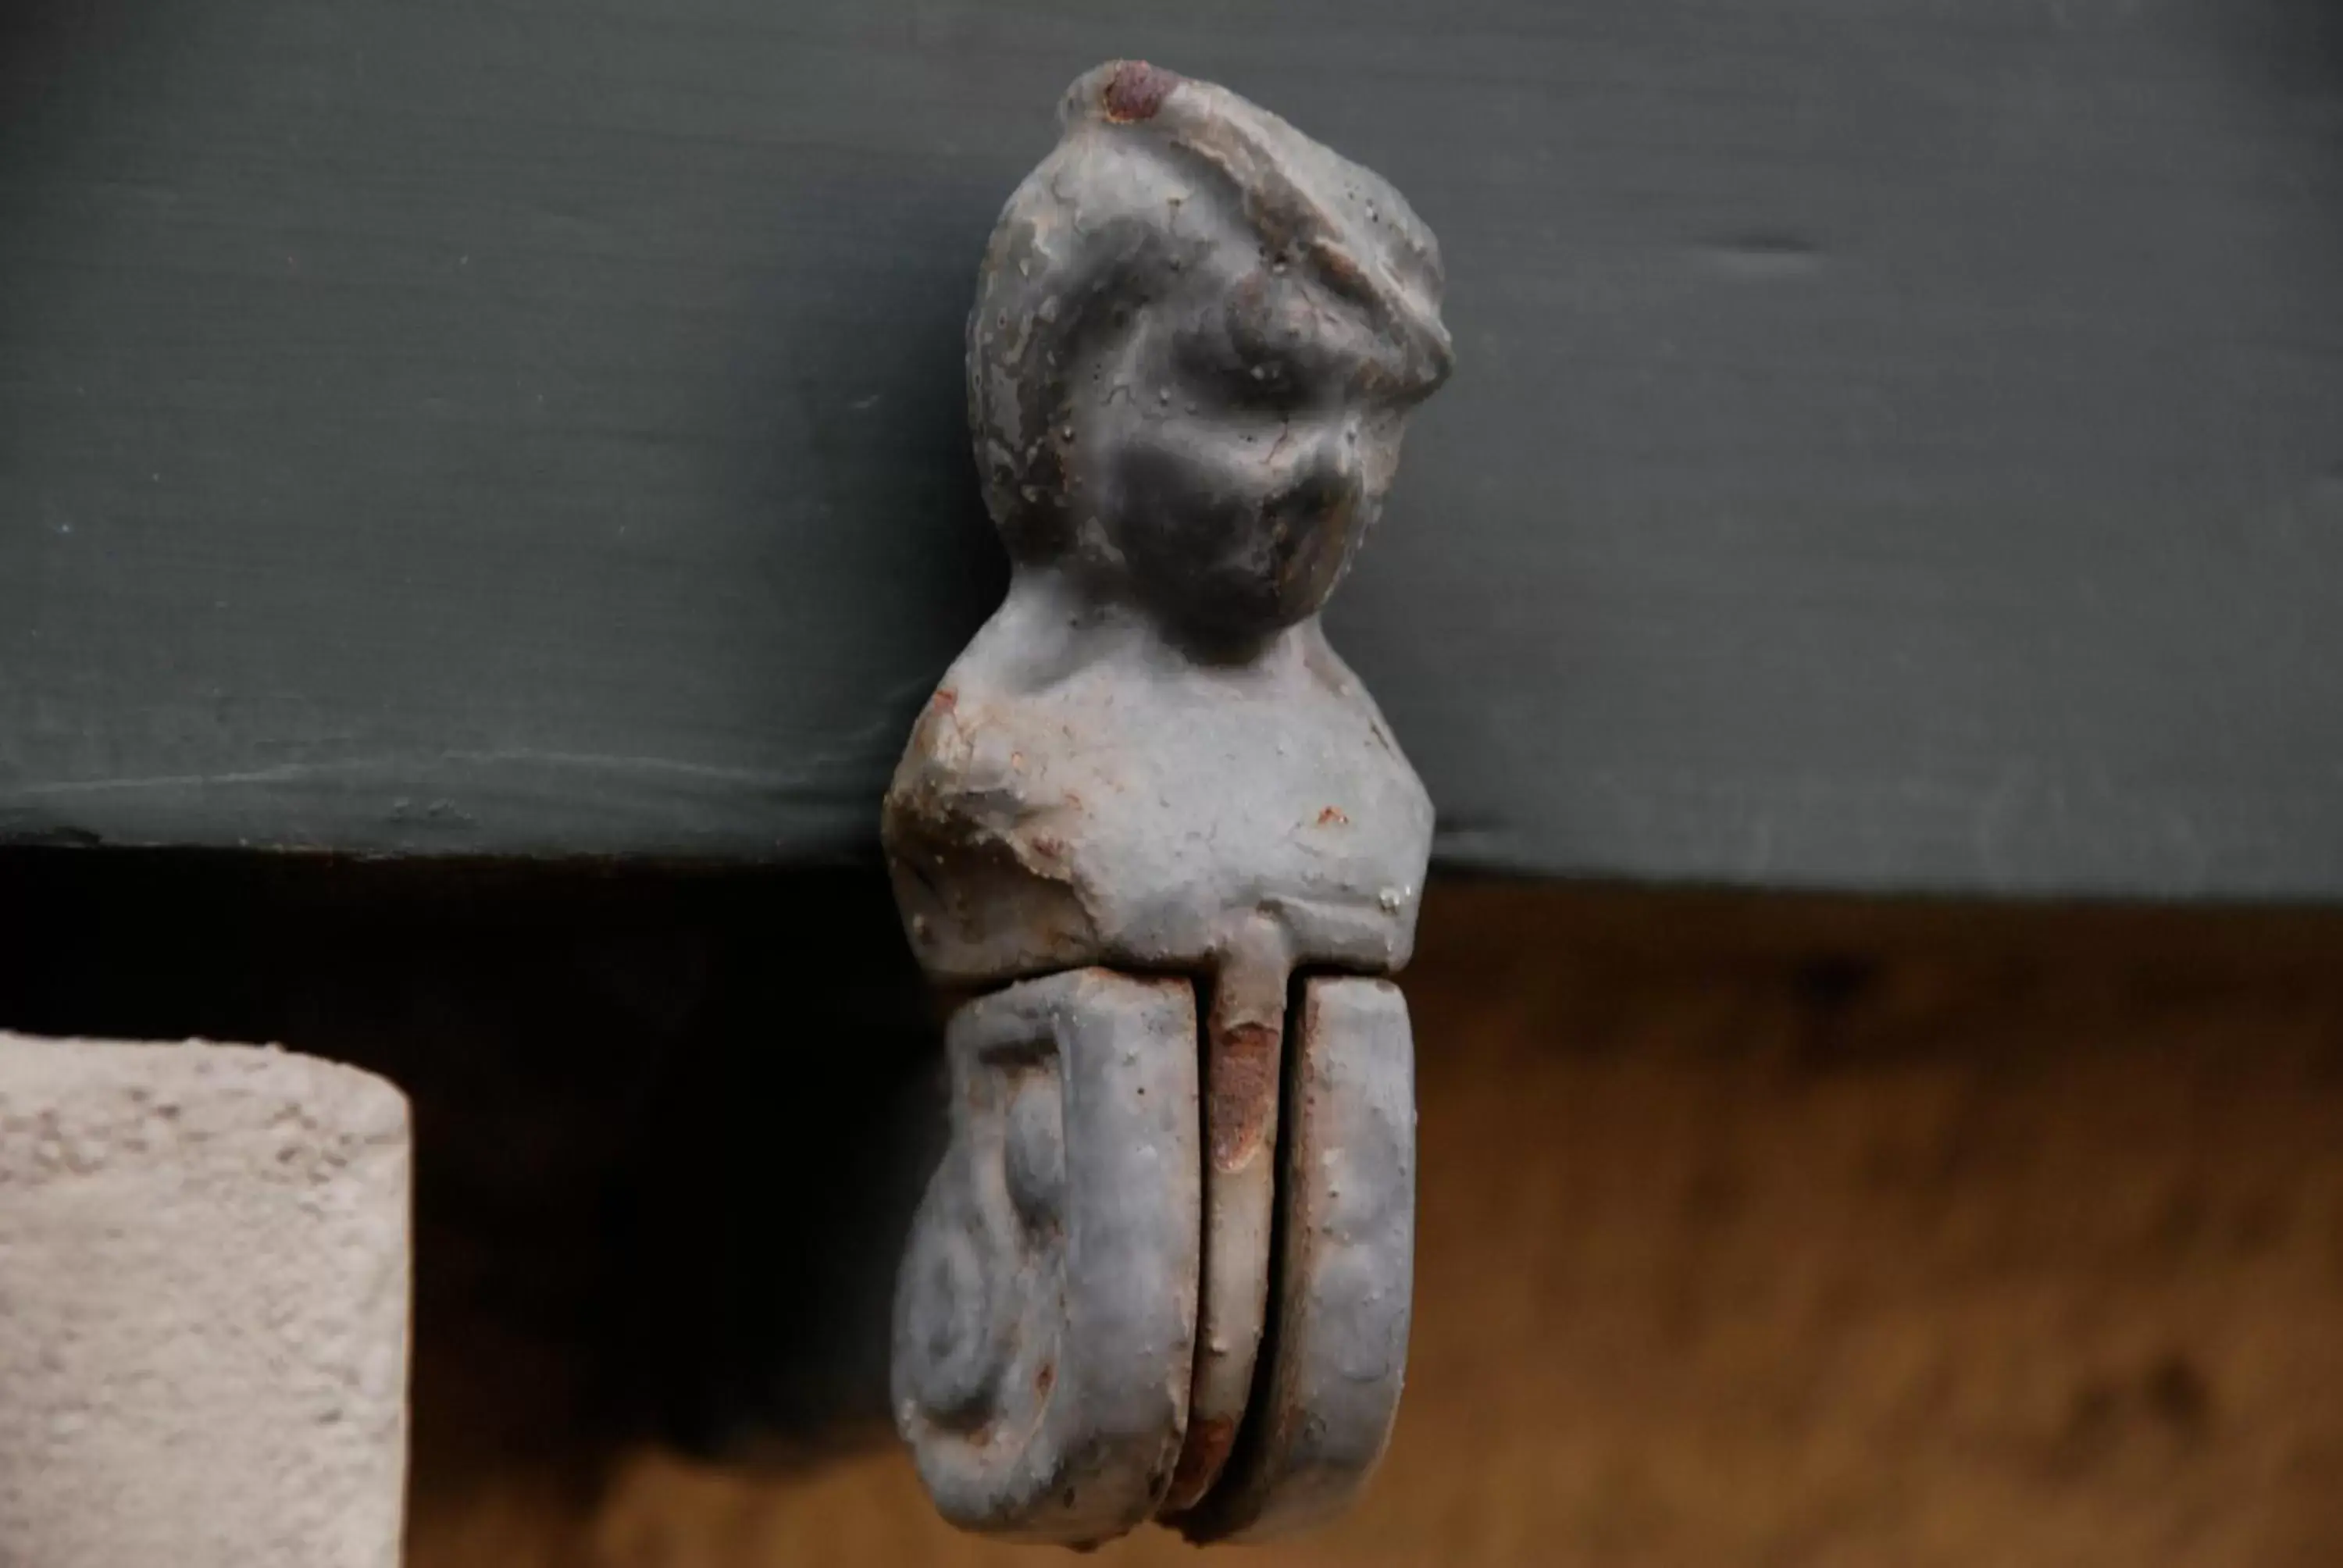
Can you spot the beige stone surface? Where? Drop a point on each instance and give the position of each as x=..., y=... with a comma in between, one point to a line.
x=203, y=1307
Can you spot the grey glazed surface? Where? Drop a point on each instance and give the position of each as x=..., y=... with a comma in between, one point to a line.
x=1196, y=338
x=1337, y=1353
x=1046, y=1309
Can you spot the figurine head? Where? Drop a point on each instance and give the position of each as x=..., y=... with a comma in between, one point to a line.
x=1197, y=335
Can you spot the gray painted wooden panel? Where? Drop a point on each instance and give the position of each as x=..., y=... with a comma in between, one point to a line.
x=1897, y=445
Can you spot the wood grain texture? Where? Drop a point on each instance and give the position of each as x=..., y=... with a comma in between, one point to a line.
x=1750, y=1232
x=1815, y=1232
x=1895, y=444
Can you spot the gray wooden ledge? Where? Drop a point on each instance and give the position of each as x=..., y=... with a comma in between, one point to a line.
x=1895, y=446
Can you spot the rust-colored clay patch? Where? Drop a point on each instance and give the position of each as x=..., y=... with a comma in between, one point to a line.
x=1241, y=1091
x=1137, y=90
x=1202, y=1458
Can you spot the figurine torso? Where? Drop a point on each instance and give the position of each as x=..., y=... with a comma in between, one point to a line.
x=1121, y=803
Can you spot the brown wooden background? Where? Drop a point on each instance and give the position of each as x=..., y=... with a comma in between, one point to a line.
x=1754, y=1230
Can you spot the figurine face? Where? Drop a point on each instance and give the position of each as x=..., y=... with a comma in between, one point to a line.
x=1197, y=335
x=1234, y=457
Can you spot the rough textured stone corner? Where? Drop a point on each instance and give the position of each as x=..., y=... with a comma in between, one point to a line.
x=203, y=1307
